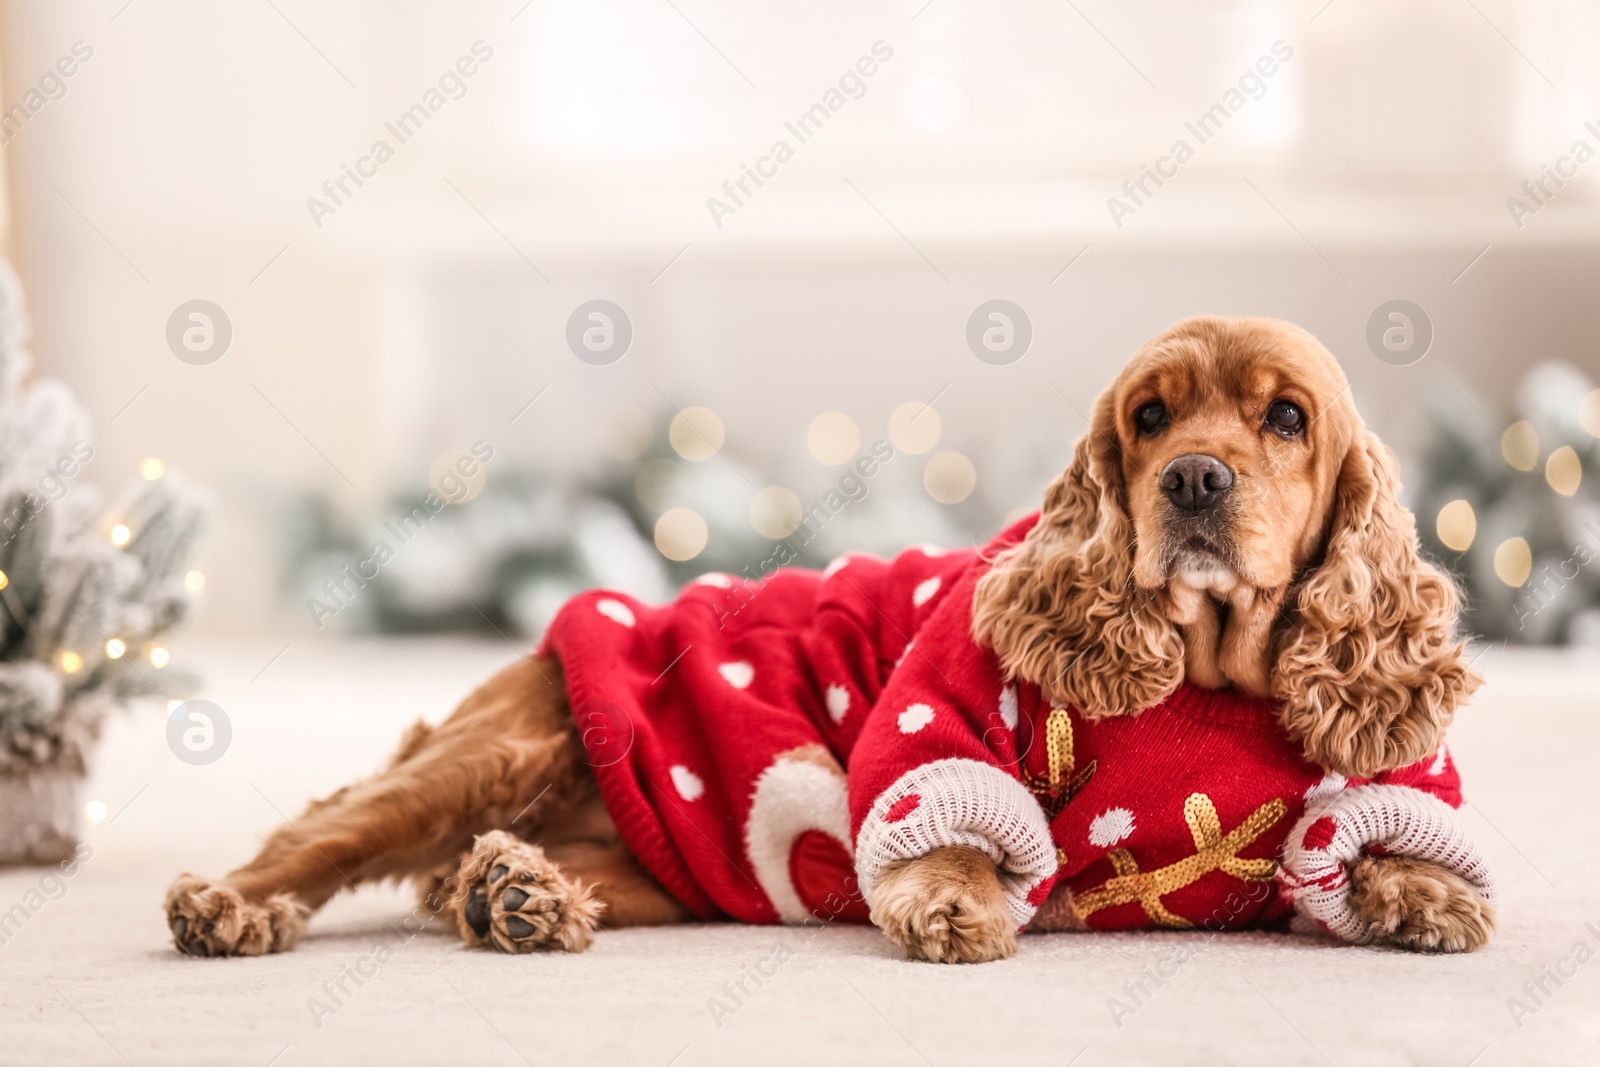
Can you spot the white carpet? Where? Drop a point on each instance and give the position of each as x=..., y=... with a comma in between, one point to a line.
x=91, y=978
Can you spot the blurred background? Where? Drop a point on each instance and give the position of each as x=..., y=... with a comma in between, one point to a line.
x=397, y=217
x=364, y=333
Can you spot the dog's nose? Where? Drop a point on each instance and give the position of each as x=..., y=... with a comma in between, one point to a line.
x=1196, y=482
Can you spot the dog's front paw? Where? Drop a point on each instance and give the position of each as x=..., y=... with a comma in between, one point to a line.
x=946, y=907
x=513, y=898
x=1419, y=905
x=213, y=919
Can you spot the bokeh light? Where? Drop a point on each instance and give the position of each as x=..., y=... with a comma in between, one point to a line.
x=914, y=427
x=680, y=534
x=833, y=437
x=1520, y=445
x=1564, y=470
x=949, y=477
x=775, y=512
x=447, y=476
x=1513, y=562
x=1589, y=413
x=696, y=433
x=152, y=469
x=1457, y=525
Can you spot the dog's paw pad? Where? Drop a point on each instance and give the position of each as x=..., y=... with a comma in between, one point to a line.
x=518, y=901
x=209, y=919
x=476, y=911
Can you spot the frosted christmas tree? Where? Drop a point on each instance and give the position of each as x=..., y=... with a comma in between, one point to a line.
x=1516, y=512
x=86, y=597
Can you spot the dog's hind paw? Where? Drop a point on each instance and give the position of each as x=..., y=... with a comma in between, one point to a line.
x=512, y=897
x=213, y=919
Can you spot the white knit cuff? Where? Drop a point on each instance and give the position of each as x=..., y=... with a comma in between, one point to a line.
x=960, y=802
x=1390, y=820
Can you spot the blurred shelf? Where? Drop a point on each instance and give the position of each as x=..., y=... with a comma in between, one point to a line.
x=805, y=220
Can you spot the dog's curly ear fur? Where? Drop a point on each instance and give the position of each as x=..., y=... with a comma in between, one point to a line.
x=1370, y=669
x=1060, y=609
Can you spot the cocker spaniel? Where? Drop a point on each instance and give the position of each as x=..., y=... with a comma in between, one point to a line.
x=1227, y=522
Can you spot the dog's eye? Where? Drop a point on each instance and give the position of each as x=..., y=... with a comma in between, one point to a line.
x=1286, y=417
x=1151, y=417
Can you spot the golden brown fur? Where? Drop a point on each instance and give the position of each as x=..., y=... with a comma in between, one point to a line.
x=1419, y=906
x=1304, y=584
x=1061, y=608
x=508, y=759
x=1333, y=611
x=1316, y=596
x=947, y=907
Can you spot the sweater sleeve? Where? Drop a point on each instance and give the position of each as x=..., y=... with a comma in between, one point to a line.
x=937, y=762
x=1411, y=811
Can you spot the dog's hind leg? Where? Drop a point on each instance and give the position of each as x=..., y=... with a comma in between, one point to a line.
x=508, y=757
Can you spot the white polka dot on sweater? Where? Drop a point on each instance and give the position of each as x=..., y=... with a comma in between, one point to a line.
x=1439, y=761
x=915, y=718
x=836, y=566
x=924, y=591
x=838, y=702
x=904, y=652
x=1331, y=783
x=1008, y=707
x=1110, y=826
x=931, y=551
x=721, y=581
x=738, y=674
x=687, y=782
x=615, y=610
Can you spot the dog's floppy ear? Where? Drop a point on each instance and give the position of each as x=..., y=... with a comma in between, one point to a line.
x=1060, y=609
x=1370, y=668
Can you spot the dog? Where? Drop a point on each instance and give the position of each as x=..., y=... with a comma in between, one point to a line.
x=1227, y=522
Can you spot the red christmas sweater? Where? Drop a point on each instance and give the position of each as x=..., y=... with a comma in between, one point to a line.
x=720, y=727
